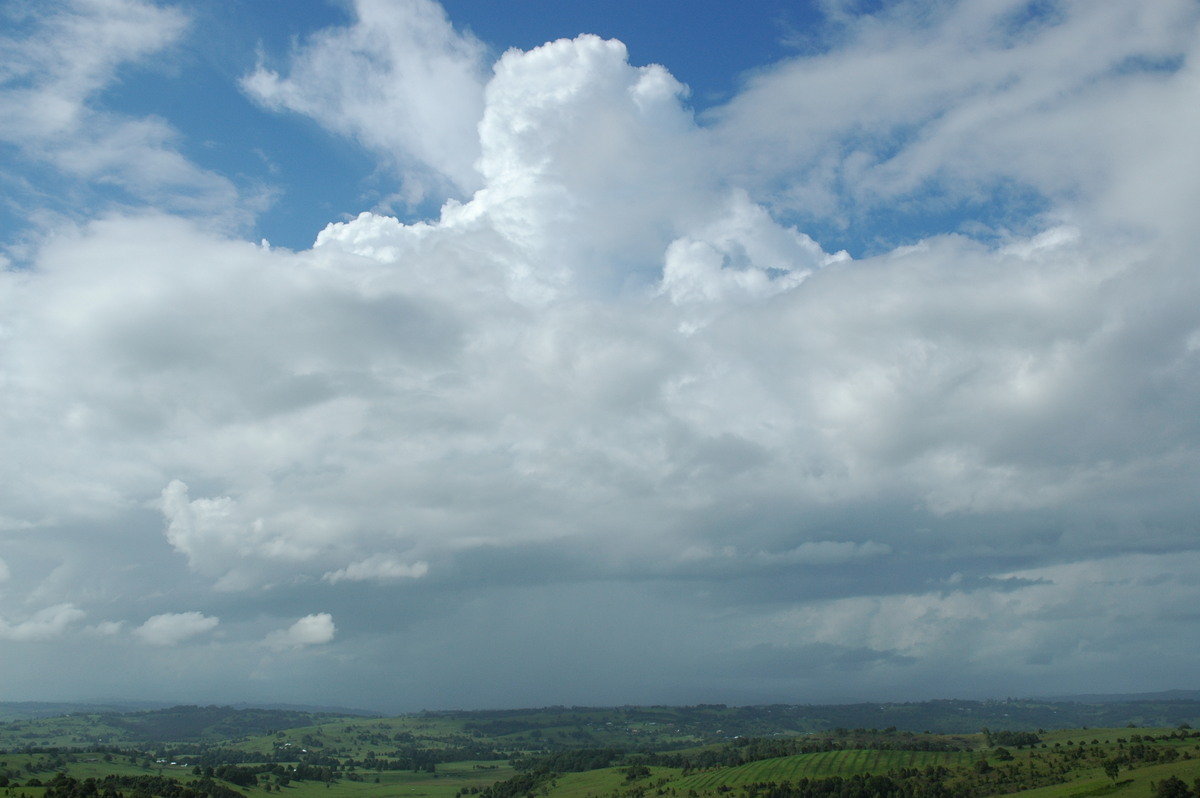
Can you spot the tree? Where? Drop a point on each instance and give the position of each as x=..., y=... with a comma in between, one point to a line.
x=1111, y=769
x=1172, y=787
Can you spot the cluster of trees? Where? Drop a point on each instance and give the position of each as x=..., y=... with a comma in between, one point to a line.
x=64, y=786
x=413, y=757
x=282, y=775
x=928, y=783
x=1175, y=787
x=576, y=761
x=209, y=722
x=523, y=784
x=1017, y=739
x=502, y=728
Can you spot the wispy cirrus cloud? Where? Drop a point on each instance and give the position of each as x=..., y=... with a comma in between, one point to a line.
x=401, y=80
x=59, y=59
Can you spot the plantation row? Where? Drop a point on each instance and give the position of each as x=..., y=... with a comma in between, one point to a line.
x=824, y=764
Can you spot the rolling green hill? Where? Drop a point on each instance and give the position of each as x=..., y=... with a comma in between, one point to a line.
x=626, y=752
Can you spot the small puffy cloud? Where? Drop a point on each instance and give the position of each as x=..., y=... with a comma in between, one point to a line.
x=45, y=624
x=311, y=630
x=171, y=628
x=380, y=568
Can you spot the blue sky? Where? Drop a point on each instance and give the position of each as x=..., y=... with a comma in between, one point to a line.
x=711, y=49
x=194, y=86
x=404, y=355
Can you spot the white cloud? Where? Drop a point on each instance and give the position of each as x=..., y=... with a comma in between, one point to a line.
x=211, y=533
x=1080, y=618
x=45, y=624
x=880, y=119
x=74, y=52
x=311, y=630
x=172, y=628
x=744, y=254
x=577, y=143
x=48, y=110
x=399, y=79
x=106, y=628
x=472, y=381
x=616, y=361
x=379, y=568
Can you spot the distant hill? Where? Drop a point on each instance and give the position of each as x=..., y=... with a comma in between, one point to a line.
x=114, y=722
x=25, y=710
x=1124, y=698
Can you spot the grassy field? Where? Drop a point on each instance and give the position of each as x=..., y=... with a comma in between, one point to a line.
x=461, y=755
x=1129, y=783
x=823, y=765
x=1071, y=758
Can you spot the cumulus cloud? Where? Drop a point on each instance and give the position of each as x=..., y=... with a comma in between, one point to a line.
x=311, y=630
x=216, y=536
x=743, y=253
x=45, y=624
x=471, y=382
x=616, y=367
x=172, y=628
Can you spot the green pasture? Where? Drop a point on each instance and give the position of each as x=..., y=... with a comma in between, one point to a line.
x=396, y=784
x=354, y=737
x=23, y=792
x=823, y=765
x=68, y=731
x=1104, y=736
x=605, y=782
x=1134, y=782
x=79, y=765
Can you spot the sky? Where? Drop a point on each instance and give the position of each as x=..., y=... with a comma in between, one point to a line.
x=394, y=355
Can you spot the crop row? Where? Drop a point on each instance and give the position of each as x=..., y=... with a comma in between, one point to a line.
x=821, y=765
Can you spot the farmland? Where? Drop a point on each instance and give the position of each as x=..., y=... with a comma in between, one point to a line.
x=627, y=752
